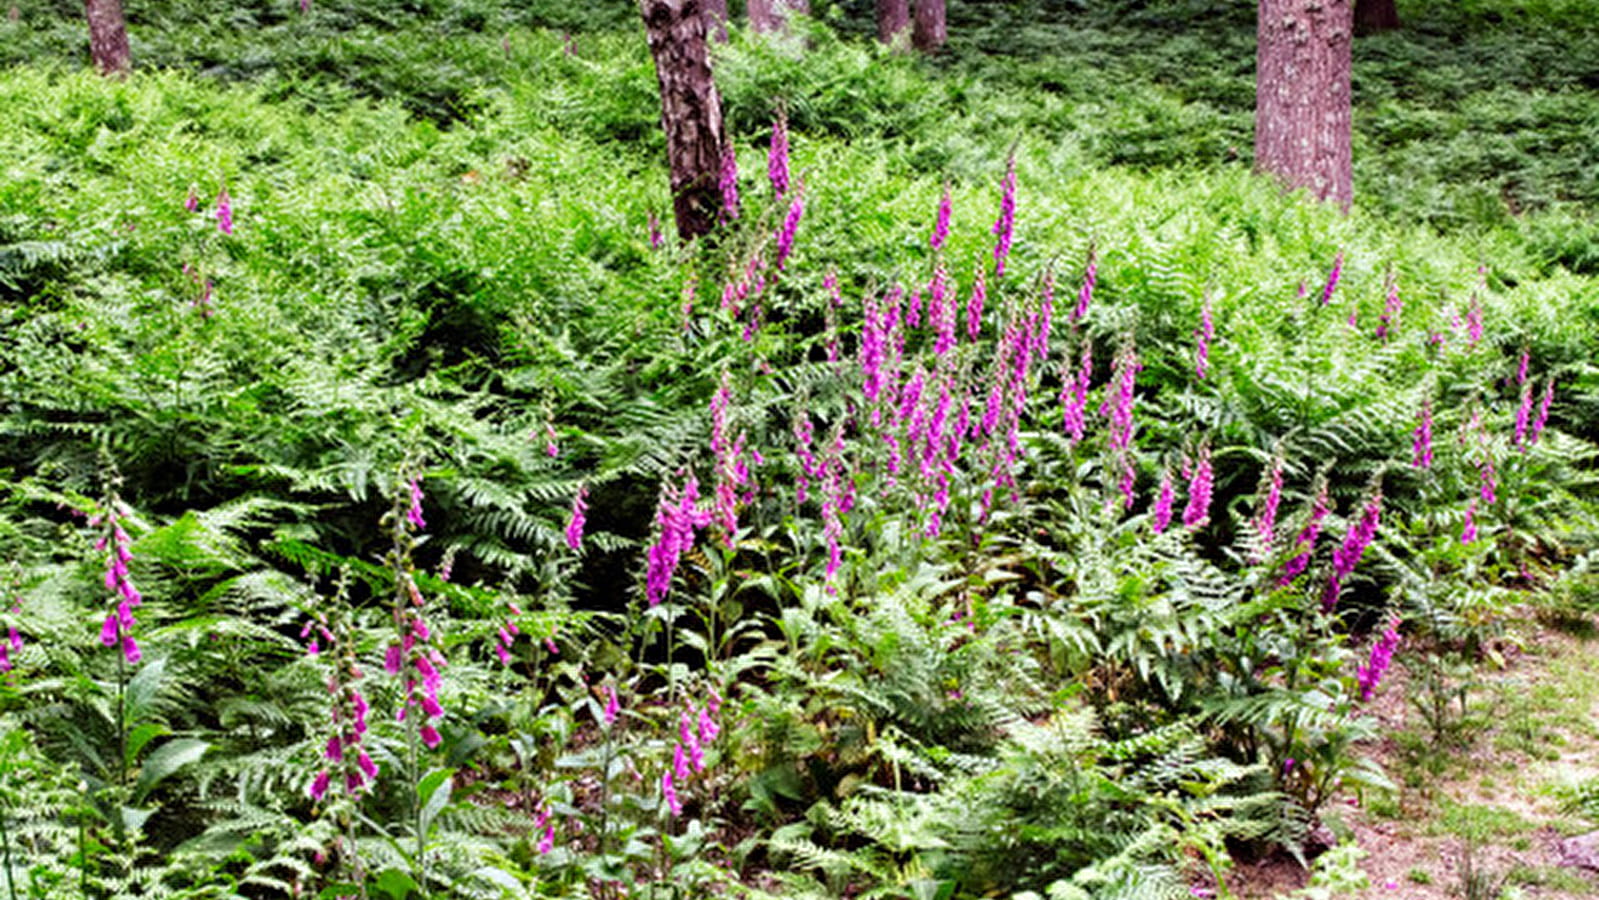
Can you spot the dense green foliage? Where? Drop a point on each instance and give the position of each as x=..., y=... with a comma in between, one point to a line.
x=441, y=273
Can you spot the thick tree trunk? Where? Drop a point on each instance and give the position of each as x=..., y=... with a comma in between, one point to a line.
x=108, y=37
x=691, y=111
x=1302, y=95
x=1372, y=16
x=769, y=16
x=716, y=19
x=893, y=17
x=929, y=33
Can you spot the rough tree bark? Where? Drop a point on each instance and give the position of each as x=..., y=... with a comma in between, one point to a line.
x=929, y=33
x=716, y=19
x=1302, y=95
x=108, y=37
x=1372, y=16
x=768, y=16
x=691, y=111
x=893, y=17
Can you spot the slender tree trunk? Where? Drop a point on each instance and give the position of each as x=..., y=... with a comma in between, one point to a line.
x=769, y=16
x=1372, y=16
x=108, y=37
x=1302, y=96
x=691, y=111
x=716, y=19
x=930, y=33
x=893, y=17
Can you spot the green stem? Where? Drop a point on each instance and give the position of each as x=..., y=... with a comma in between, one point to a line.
x=122, y=715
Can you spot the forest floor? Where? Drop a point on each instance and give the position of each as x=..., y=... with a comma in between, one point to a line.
x=1490, y=801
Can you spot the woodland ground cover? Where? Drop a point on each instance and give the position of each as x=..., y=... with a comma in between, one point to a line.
x=1051, y=554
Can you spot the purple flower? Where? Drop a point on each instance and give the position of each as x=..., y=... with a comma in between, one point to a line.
x=1542, y=420
x=941, y=310
x=1118, y=408
x=1421, y=446
x=656, y=238
x=729, y=183
x=192, y=202
x=941, y=225
x=430, y=736
x=974, y=306
x=1332, y=278
x=669, y=795
x=777, y=156
x=785, y=235
x=1382, y=655
x=224, y=212
x=1474, y=322
x=1387, y=322
x=1074, y=395
x=1266, y=521
x=613, y=706
x=1356, y=540
x=578, y=519
x=676, y=519
x=547, y=842
x=1160, y=516
x=1006, y=223
x=1197, y=513
x=1203, y=337
x=414, y=514
x=1523, y=417
x=1305, y=542
x=1085, y=296
x=1521, y=367
x=1468, y=532
x=319, y=785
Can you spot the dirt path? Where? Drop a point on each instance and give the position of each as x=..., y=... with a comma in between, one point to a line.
x=1488, y=797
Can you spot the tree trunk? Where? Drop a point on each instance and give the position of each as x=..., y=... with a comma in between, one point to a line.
x=929, y=33
x=108, y=37
x=893, y=17
x=769, y=16
x=691, y=111
x=716, y=19
x=1302, y=96
x=1372, y=16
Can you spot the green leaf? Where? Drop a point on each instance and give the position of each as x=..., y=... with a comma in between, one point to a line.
x=394, y=884
x=164, y=761
x=434, y=793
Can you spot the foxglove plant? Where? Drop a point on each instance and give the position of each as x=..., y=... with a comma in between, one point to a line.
x=1305, y=541
x=941, y=310
x=676, y=519
x=777, y=156
x=941, y=223
x=224, y=213
x=1202, y=338
x=1421, y=444
x=1523, y=418
x=1542, y=420
x=1085, y=296
x=117, y=630
x=345, y=759
x=785, y=234
x=1074, y=395
x=413, y=657
x=1265, y=521
x=1382, y=655
x=1160, y=515
x=974, y=306
x=1333, y=277
x=1468, y=531
x=12, y=642
x=1201, y=480
x=1356, y=540
x=1005, y=225
x=578, y=519
x=1393, y=305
